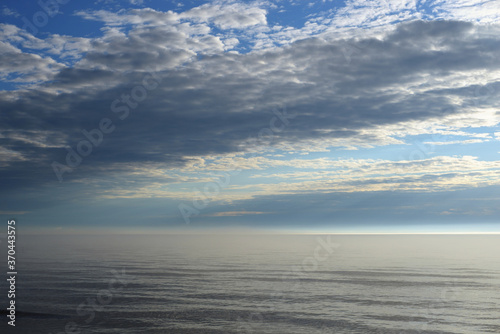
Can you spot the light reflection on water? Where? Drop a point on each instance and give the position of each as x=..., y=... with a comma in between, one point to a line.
x=260, y=284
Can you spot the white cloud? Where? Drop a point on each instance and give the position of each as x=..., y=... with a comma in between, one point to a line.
x=453, y=142
x=485, y=11
x=7, y=156
x=234, y=213
x=322, y=175
x=22, y=67
x=228, y=15
x=6, y=11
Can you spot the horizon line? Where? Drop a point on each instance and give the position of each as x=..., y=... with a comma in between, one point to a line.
x=218, y=232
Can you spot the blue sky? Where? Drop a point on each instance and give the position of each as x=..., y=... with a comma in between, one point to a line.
x=337, y=116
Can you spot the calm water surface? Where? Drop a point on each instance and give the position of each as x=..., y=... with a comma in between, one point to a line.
x=257, y=284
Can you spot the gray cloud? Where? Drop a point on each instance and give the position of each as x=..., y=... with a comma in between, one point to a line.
x=210, y=102
x=372, y=209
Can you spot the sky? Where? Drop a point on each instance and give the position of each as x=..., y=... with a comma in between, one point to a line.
x=321, y=116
